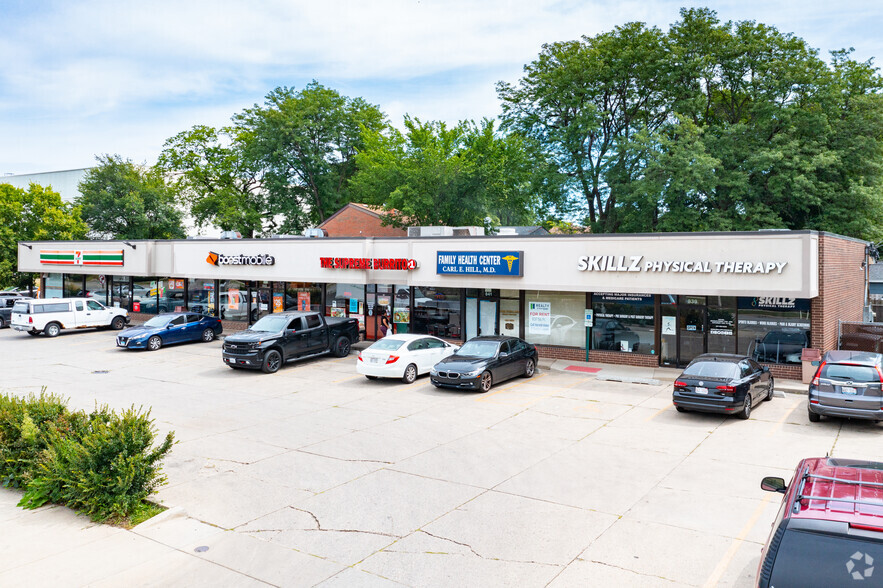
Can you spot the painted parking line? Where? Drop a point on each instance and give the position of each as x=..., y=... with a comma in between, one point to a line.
x=657, y=413
x=724, y=563
x=775, y=428
x=507, y=388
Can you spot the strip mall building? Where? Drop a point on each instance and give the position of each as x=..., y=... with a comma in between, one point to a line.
x=646, y=299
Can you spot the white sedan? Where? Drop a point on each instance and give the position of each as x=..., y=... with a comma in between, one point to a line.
x=403, y=356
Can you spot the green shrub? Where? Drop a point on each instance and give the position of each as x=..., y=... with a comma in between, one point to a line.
x=102, y=463
x=22, y=423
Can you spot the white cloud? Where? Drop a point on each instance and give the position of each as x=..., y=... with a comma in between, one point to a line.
x=80, y=78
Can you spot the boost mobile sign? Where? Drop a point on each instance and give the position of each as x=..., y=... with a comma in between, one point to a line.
x=636, y=263
x=241, y=259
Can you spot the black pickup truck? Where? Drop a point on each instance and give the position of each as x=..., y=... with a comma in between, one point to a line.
x=278, y=337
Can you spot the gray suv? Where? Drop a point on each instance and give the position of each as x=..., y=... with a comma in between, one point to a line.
x=847, y=384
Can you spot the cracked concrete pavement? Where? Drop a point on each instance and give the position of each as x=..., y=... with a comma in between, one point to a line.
x=317, y=476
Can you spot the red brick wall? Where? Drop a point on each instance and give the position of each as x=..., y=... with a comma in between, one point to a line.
x=573, y=354
x=356, y=222
x=841, y=288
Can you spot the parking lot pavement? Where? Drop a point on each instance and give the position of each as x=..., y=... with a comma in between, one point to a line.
x=317, y=476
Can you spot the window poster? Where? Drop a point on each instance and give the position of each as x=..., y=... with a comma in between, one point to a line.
x=303, y=301
x=354, y=305
x=278, y=302
x=539, y=318
x=338, y=312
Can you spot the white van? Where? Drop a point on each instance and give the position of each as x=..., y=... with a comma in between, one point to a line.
x=51, y=315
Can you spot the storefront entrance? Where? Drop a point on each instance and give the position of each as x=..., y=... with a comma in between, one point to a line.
x=482, y=312
x=684, y=330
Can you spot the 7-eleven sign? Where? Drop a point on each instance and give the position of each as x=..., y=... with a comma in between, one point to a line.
x=80, y=257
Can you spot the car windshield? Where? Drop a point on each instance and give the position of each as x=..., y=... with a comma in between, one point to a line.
x=817, y=559
x=386, y=345
x=712, y=369
x=271, y=324
x=158, y=321
x=479, y=348
x=854, y=373
x=786, y=338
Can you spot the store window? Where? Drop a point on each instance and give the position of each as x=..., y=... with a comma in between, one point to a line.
x=555, y=318
x=510, y=313
x=436, y=312
x=54, y=287
x=233, y=300
x=623, y=322
x=401, y=310
x=96, y=288
x=774, y=330
x=721, y=324
x=345, y=300
x=201, y=297
x=73, y=286
x=303, y=296
x=173, y=298
x=120, y=295
x=145, y=295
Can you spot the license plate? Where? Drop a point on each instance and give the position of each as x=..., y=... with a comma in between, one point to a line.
x=701, y=390
x=375, y=360
x=847, y=390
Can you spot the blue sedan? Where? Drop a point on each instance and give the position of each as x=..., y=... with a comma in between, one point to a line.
x=173, y=327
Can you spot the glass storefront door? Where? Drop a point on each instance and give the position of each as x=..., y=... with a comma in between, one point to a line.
x=683, y=329
x=692, y=321
x=481, y=312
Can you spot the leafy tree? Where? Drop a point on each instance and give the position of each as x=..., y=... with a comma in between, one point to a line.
x=121, y=200
x=218, y=182
x=712, y=126
x=35, y=214
x=582, y=101
x=438, y=175
x=305, y=145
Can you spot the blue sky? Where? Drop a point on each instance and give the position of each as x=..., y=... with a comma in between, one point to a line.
x=95, y=76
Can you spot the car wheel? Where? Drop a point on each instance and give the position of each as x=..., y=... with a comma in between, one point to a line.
x=154, y=343
x=410, y=374
x=117, y=323
x=530, y=368
x=680, y=409
x=486, y=382
x=813, y=417
x=371, y=377
x=208, y=335
x=52, y=330
x=342, y=347
x=272, y=362
x=2, y=323
x=746, y=408
x=769, y=395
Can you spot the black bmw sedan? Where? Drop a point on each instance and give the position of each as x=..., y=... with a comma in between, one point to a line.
x=724, y=383
x=485, y=361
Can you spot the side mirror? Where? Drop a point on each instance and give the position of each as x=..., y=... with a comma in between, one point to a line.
x=504, y=355
x=773, y=484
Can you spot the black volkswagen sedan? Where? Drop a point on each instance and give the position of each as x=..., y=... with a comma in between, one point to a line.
x=485, y=361
x=724, y=383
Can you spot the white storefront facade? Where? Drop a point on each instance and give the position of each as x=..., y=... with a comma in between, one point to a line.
x=647, y=299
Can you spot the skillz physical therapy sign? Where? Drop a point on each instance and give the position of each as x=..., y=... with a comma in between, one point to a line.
x=637, y=263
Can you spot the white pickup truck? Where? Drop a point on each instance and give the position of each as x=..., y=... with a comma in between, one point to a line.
x=51, y=315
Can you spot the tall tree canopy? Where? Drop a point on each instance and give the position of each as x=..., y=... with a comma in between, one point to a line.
x=121, y=200
x=712, y=126
x=433, y=174
x=305, y=143
x=220, y=185
x=35, y=214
